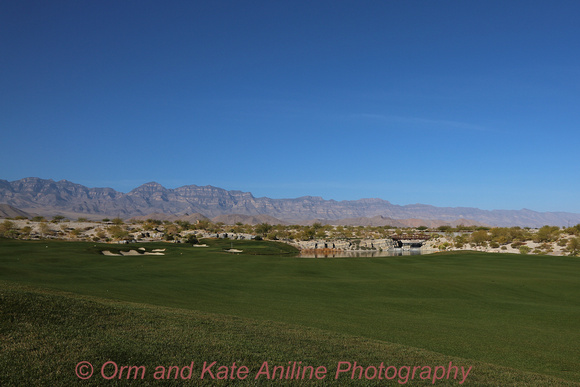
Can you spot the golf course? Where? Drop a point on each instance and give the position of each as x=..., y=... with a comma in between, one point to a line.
x=510, y=319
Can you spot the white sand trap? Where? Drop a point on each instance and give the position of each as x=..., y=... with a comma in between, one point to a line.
x=234, y=251
x=157, y=250
x=199, y=245
x=130, y=252
x=107, y=252
x=142, y=248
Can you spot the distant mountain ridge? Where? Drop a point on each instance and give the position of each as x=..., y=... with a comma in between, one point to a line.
x=7, y=211
x=64, y=197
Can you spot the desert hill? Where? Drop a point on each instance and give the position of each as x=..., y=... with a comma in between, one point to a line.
x=7, y=211
x=172, y=218
x=247, y=219
x=381, y=221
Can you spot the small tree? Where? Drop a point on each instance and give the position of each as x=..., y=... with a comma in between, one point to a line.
x=44, y=229
x=192, y=239
x=171, y=229
x=7, y=229
x=547, y=234
x=26, y=230
x=118, y=232
x=118, y=221
x=263, y=229
x=101, y=234
x=57, y=218
x=320, y=234
x=479, y=237
x=573, y=246
x=308, y=233
x=76, y=232
x=184, y=224
x=460, y=241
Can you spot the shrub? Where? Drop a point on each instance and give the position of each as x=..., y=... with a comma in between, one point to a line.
x=480, y=237
x=574, y=246
x=192, y=239
x=118, y=221
x=547, y=234
x=443, y=246
x=562, y=242
x=7, y=229
x=118, y=232
x=57, y=218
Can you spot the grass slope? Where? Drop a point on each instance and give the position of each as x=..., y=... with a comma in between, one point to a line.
x=517, y=311
x=45, y=334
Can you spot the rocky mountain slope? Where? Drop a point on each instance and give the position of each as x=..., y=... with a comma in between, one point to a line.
x=48, y=197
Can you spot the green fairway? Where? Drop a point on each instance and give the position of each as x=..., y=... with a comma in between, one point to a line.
x=515, y=311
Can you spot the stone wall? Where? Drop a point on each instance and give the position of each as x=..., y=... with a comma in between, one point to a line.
x=364, y=244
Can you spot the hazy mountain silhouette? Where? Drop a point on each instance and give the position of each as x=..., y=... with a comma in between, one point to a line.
x=48, y=197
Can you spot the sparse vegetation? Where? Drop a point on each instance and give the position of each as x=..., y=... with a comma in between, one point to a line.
x=546, y=240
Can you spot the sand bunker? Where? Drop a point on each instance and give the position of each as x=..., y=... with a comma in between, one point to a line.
x=130, y=252
x=234, y=251
x=133, y=252
x=107, y=252
x=199, y=245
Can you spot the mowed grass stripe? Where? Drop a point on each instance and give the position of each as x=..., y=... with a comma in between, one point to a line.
x=511, y=310
x=45, y=333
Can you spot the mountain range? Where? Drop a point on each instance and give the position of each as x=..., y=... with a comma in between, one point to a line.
x=49, y=197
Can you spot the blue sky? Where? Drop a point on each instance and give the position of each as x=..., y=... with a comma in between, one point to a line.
x=449, y=103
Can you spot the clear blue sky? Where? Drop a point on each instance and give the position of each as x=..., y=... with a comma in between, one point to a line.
x=449, y=103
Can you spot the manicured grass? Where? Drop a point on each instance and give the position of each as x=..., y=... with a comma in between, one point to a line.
x=46, y=334
x=516, y=311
